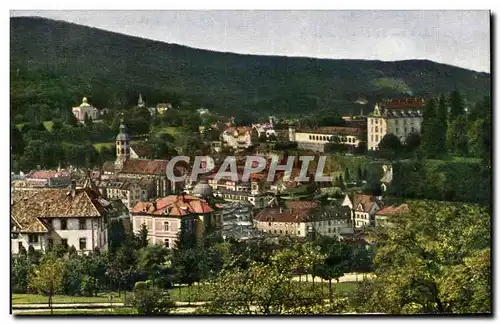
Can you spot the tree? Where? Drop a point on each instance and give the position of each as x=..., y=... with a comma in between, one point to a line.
x=360, y=173
x=426, y=259
x=347, y=176
x=152, y=260
x=456, y=136
x=21, y=271
x=412, y=142
x=264, y=288
x=456, y=104
x=47, y=277
x=142, y=236
x=390, y=146
x=432, y=139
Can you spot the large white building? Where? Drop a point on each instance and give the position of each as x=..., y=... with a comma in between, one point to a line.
x=85, y=109
x=315, y=139
x=399, y=117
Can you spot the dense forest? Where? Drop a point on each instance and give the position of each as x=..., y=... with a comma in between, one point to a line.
x=54, y=64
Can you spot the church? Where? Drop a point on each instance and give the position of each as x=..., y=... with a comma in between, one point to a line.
x=126, y=167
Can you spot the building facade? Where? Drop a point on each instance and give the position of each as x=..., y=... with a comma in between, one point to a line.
x=315, y=139
x=301, y=218
x=85, y=109
x=43, y=218
x=237, y=138
x=165, y=218
x=398, y=117
x=363, y=209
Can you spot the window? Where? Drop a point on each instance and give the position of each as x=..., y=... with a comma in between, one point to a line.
x=269, y=223
x=33, y=238
x=50, y=243
x=376, y=121
x=20, y=246
x=376, y=129
x=329, y=230
x=372, y=138
x=406, y=130
x=329, y=222
x=376, y=138
x=396, y=121
x=167, y=243
x=413, y=129
x=64, y=243
x=404, y=121
x=286, y=232
x=298, y=232
x=372, y=121
x=64, y=224
x=310, y=137
x=166, y=226
x=82, y=224
x=281, y=232
x=397, y=130
x=83, y=244
x=274, y=231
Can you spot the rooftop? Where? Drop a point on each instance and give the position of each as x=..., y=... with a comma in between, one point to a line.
x=30, y=205
x=173, y=205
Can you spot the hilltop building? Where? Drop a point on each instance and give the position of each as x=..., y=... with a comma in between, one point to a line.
x=399, y=117
x=85, y=109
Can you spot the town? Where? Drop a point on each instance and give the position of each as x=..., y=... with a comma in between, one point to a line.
x=168, y=206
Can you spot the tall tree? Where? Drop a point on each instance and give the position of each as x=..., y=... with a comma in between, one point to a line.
x=432, y=141
x=47, y=277
x=456, y=104
x=456, y=136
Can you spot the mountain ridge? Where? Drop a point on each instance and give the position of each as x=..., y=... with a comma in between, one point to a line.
x=115, y=67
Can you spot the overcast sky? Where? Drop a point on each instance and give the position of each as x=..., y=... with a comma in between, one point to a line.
x=460, y=38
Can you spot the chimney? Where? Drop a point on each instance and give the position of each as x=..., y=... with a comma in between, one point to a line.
x=281, y=210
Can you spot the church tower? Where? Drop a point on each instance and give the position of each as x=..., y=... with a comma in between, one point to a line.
x=140, y=103
x=122, y=147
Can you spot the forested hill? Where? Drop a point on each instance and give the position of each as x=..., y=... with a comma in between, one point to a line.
x=54, y=64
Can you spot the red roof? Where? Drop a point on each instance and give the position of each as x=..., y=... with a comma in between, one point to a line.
x=394, y=210
x=47, y=174
x=405, y=103
x=174, y=205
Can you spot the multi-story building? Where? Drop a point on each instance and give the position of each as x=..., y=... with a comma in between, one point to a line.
x=398, y=117
x=315, y=139
x=363, y=208
x=165, y=218
x=43, y=218
x=129, y=191
x=301, y=218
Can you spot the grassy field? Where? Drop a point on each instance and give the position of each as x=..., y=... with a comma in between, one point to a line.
x=47, y=124
x=195, y=293
x=63, y=299
x=165, y=129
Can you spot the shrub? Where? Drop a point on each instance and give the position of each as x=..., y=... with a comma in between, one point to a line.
x=151, y=301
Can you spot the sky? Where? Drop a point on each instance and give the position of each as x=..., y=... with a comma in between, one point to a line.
x=460, y=38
